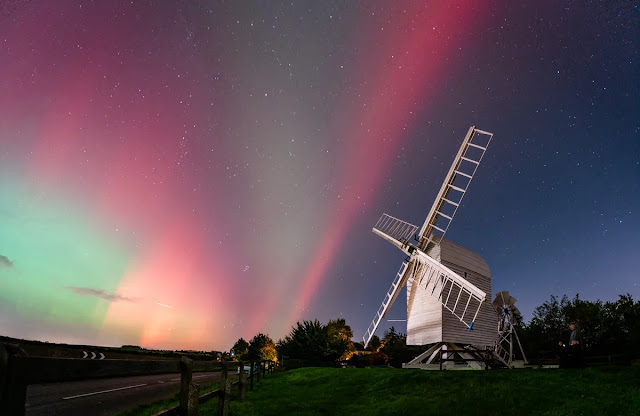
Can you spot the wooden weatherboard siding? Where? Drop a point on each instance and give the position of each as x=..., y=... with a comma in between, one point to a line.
x=424, y=316
x=429, y=322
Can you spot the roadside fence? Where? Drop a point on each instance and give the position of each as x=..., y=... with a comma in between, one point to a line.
x=18, y=371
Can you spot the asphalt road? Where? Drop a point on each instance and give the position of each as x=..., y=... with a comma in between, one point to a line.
x=104, y=397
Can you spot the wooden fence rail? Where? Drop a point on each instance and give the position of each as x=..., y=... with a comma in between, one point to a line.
x=17, y=372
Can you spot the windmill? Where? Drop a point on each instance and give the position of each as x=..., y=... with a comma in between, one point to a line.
x=506, y=309
x=447, y=284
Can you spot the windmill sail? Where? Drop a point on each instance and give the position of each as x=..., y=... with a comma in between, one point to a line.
x=457, y=295
x=400, y=234
x=454, y=187
x=393, y=292
x=395, y=231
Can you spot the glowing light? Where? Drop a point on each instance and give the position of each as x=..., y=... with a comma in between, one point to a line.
x=376, y=129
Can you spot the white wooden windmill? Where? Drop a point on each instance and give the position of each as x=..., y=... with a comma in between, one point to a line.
x=447, y=284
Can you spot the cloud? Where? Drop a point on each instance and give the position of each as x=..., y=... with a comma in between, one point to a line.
x=4, y=261
x=85, y=291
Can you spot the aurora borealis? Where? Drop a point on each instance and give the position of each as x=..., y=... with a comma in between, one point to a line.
x=182, y=174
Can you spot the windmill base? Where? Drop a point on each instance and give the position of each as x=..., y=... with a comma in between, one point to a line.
x=451, y=356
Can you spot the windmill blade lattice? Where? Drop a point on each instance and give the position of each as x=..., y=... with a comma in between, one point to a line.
x=393, y=292
x=454, y=187
x=459, y=296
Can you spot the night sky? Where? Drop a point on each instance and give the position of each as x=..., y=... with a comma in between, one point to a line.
x=179, y=175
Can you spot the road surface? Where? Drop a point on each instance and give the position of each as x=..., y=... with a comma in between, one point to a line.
x=104, y=397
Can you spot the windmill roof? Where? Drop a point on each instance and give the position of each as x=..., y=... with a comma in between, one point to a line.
x=451, y=252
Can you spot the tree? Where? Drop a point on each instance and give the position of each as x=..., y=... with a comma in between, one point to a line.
x=307, y=340
x=547, y=327
x=622, y=322
x=316, y=343
x=394, y=345
x=588, y=315
x=340, y=345
x=241, y=349
x=374, y=343
x=261, y=347
x=391, y=336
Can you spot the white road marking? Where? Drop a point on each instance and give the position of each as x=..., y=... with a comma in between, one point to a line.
x=104, y=391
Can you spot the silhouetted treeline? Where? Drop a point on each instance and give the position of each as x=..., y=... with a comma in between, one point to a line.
x=607, y=327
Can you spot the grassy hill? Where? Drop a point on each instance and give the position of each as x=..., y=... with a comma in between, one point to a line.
x=333, y=391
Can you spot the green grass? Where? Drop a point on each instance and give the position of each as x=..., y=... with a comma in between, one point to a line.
x=335, y=391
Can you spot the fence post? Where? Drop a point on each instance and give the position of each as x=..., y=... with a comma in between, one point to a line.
x=253, y=363
x=264, y=368
x=4, y=380
x=223, y=398
x=242, y=385
x=186, y=365
x=13, y=390
x=258, y=372
x=194, y=396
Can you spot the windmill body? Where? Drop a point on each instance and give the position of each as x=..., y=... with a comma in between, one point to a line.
x=447, y=284
x=429, y=322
